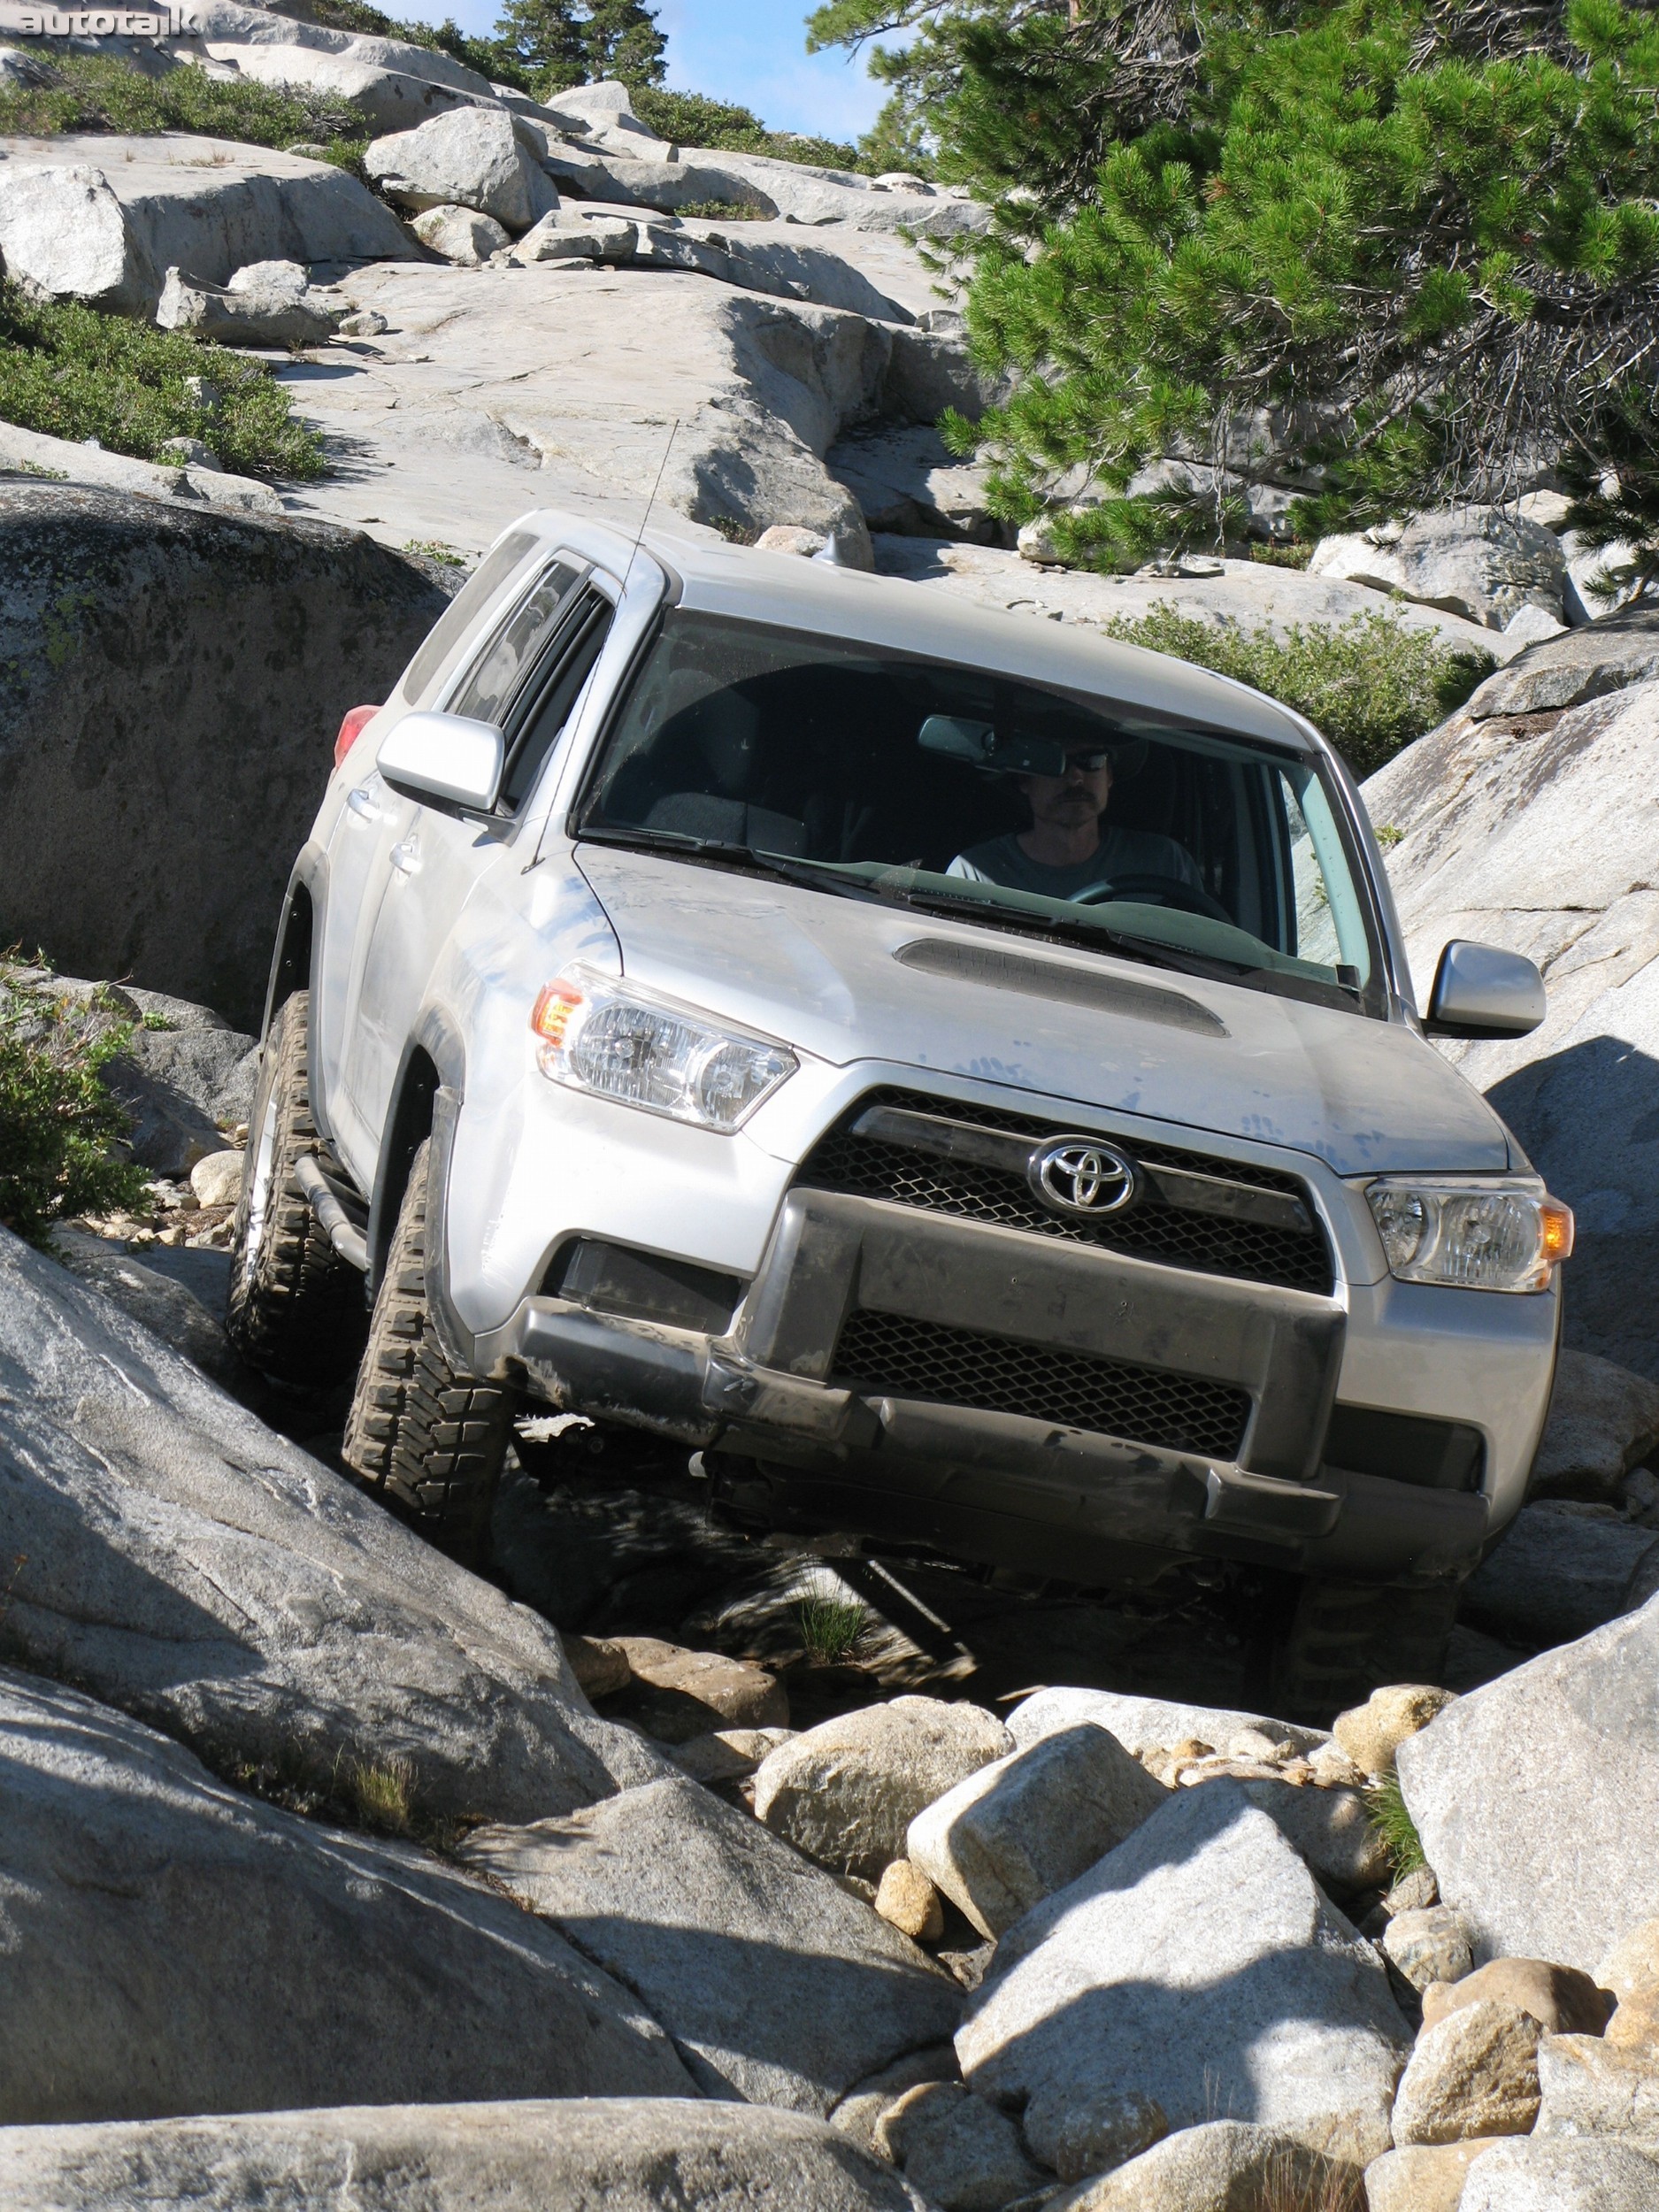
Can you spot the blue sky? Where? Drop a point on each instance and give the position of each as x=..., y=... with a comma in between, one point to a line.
x=749, y=50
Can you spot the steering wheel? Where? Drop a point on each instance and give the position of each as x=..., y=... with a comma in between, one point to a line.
x=1190, y=898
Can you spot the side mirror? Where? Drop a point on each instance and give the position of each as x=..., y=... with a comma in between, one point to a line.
x=1482, y=992
x=444, y=760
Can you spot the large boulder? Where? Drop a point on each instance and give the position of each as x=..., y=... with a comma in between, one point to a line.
x=1542, y=2175
x=1198, y=1964
x=182, y=1561
x=1027, y=1825
x=172, y=1945
x=1148, y=1726
x=174, y=680
x=1604, y=1421
x=388, y=99
x=1217, y=2166
x=1560, y=1571
x=230, y=23
x=63, y=233
x=1538, y=834
x=846, y=1792
x=1473, y=2073
x=776, y=1984
x=469, y=158
x=1605, y=656
x=265, y=304
x=75, y=210
x=460, y=235
x=1594, y=2087
x=1537, y=1798
x=628, y=2154
x=1483, y=563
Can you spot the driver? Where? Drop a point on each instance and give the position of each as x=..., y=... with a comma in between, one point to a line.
x=1070, y=850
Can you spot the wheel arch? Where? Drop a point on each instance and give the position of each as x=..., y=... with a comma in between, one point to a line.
x=426, y=1098
x=292, y=960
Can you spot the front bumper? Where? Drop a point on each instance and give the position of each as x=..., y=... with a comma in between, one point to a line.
x=801, y=1448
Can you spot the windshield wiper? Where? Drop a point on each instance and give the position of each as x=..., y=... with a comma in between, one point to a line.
x=815, y=875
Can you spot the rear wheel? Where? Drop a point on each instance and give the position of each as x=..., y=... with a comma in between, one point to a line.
x=424, y=1437
x=1346, y=1638
x=295, y=1308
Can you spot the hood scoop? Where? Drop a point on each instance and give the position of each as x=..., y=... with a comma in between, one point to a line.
x=1060, y=985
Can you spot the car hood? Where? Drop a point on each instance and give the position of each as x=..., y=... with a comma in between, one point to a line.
x=850, y=981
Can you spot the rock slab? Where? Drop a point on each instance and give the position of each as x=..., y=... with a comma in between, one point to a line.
x=620, y=2154
x=777, y=1987
x=1198, y=1963
x=1537, y=1798
x=174, y=1947
x=1532, y=2176
x=183, y=1561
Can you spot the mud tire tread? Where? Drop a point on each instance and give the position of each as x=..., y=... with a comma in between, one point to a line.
x=297, y=1313
x=1346, y=1638
x=424, y=1439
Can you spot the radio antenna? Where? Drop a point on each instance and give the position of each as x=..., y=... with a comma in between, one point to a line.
x=662, y=470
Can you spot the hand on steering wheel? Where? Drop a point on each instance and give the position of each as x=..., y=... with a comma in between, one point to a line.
x=1153, y=890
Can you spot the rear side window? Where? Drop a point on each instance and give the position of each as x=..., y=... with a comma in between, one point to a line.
x=519, y=642
x=550, y=695
x=463, y=609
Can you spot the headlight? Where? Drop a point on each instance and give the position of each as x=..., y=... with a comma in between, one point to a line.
x=1476, y=1236
x=600, y=1034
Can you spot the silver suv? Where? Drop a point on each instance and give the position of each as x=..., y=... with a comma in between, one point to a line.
x=959, y=1075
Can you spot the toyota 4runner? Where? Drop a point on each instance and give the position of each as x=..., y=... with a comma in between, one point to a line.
x=670, y=1023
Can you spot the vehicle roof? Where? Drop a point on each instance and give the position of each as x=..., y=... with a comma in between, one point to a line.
x=822, y=597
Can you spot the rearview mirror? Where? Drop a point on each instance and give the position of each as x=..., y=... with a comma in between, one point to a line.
x=444, y=760
x=978, y=744
x=1481, y=991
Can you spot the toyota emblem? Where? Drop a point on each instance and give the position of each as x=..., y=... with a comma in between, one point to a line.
x=1077, y=1175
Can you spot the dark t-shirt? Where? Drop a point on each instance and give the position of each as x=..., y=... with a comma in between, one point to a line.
x=1121, y=852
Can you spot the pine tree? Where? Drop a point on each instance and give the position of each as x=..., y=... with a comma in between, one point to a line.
x=1362, y=255
x=563, y=42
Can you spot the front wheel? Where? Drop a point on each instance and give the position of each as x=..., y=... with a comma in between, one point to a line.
x=295, y=1307
x=1348, y=1639
x=425, y=1437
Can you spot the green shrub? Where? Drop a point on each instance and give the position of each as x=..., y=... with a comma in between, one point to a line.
x=1391, y=1817
x=70, y=372
x=58, y=1124
x=95, y=92
x=690, y=118
x=1370, y=684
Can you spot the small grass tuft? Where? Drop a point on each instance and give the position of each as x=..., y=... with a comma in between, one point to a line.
x=830, y=1628
x=382, y=1792
x=1287, y=2187
x=435, y=549
x=1391, y=1817
x=1370, y=684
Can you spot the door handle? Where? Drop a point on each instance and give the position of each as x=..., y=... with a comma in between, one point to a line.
x=363, y=804
x=406, y=858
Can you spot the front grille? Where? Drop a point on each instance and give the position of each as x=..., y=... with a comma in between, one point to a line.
x=888, y=1353
x=1213, y=1244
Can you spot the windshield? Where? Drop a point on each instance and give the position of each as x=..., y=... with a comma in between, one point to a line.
x=959, y=791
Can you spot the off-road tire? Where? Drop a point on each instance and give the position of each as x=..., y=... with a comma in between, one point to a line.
x=1346, y=1638
x=296, y=1309
x=426, y=1439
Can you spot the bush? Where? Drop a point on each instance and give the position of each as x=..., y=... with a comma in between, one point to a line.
x=690, y=118
x=1390, y=1817
x=57, y=1122
x=69, y=372
x=94, y=92
x=1370, y=684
